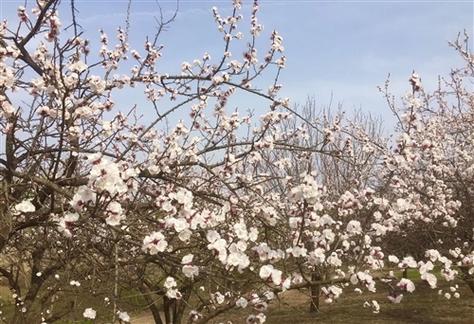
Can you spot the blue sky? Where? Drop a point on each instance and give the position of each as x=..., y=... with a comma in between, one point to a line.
x=344, y=48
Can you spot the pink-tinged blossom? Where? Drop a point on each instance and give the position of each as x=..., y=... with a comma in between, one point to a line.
x=433, y=255
x=105, y=176
x=380, y=230
x=317, y=256
x=267, y=271
x=212, y=236
x=395, y=298
x=190, y=271
x=406, y=285
x=238, y=259
x=183, y=197
x=334, y=260
x=415, y=81
x=154, y=243
x=354, y=227
x=67, y=223
x=308, y=191
x=430, y=279
x=297, y=251
x=115, y=214
x=83, y=196
x=425, y=267
x=393, y=259
x=78, y=66
x=408, y=262
x=96, y=84
x=331, y=293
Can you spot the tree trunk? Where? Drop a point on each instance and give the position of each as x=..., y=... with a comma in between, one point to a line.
x=181, y=305
x=167, y=309
x=155, y=312
x=315, y=291
x=18, y=317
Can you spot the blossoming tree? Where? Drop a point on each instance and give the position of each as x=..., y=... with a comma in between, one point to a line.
x=429, y=177
x=197, y=217
x=93, y=192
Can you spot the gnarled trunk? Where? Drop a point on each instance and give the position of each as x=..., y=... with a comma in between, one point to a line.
x=315, y=291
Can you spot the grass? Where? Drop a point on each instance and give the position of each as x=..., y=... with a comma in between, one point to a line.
x=423, y=306
x=132, y=304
